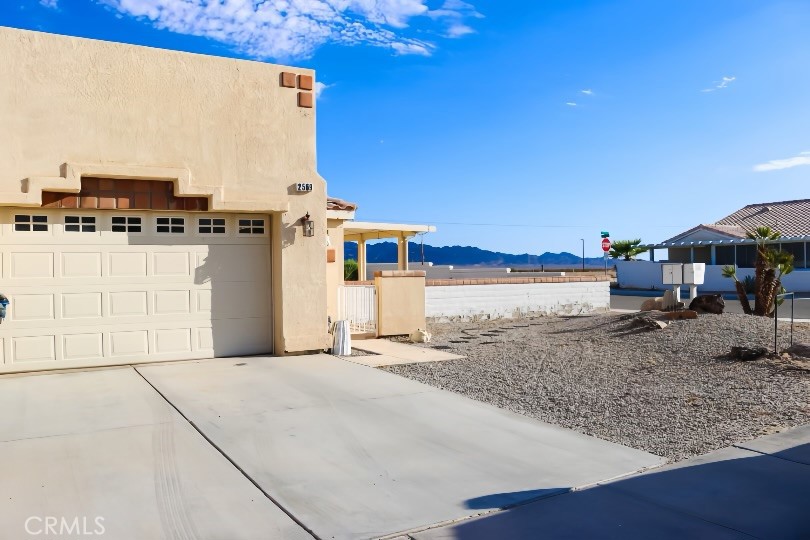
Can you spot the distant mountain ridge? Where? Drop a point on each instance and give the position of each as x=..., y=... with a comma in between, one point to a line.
x=386, y=252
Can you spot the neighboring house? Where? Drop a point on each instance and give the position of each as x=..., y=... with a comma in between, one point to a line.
x=725, y=243
x=152, y=205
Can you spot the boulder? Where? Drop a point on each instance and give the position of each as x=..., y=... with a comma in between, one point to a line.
x=420, y=336
x=748, y=353
x=652, y=304
x=708, y=303
x=800, y=350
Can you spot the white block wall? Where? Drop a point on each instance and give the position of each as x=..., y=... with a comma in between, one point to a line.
x=516, y=300
x=647, y=275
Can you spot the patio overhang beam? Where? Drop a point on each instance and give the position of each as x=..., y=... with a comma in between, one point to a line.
x=363, y=231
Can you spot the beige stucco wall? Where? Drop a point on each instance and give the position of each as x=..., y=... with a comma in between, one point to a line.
x=400, y=302
x=334, y=270
x=217, y=127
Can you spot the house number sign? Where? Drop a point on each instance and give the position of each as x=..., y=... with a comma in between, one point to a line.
x=303, y=187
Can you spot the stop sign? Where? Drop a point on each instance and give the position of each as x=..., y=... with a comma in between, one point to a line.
x=606, y=244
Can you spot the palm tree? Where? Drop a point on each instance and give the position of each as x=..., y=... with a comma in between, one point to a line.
x=769, y=267
x=627, y=249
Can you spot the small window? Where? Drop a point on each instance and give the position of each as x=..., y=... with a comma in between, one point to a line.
x=171, y=225
x=28, y=223
x=80, y=224
x=251, y=226
x=127, y=224
x=211, y=226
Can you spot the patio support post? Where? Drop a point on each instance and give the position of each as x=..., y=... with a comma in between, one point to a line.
x=714, y=254
x=402, y=252
x=361, y=258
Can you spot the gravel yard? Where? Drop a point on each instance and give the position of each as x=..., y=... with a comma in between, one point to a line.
x=670, y=392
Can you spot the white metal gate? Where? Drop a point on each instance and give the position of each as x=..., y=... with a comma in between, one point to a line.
x=358, y=305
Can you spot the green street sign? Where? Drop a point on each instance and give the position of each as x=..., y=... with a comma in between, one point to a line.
x=605, y=234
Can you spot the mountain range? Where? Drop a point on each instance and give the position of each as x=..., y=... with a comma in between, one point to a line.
x=386, y=252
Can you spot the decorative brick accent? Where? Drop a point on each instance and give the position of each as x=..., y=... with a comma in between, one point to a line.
x=88, y=201
x=305, y=82
x=331, y=255
x=305, y=99
x=70, y=200
x=111, y=193
x=288, y=79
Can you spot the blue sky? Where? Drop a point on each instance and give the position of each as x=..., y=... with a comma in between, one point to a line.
x=518, y=126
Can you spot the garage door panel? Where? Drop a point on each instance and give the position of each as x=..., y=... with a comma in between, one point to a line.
x=101, y=299
x=81, y=305
x=237, y=301
x=32, y=307
x=172, y=302
x=81, y=265
x=248, y=263
x=127, y=264
x=83, y=346
x=129, y=343
x=233, y=337
x=128, y=303
x=31, y=265
x=34, y=348
x=172, y=340
x=171, y=264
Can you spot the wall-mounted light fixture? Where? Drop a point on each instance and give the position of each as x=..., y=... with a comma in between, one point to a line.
x=309, y=225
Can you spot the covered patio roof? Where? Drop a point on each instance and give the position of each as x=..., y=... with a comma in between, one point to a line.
x=354, y=231
x=362, y=231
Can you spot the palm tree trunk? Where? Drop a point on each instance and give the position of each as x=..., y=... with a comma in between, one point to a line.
x=759, y=281
x=764, y=302
x=743, y=296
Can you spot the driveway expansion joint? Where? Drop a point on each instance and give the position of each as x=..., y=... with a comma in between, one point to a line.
x=227, y=457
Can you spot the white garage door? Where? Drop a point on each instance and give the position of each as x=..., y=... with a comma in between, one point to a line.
x=107, y=287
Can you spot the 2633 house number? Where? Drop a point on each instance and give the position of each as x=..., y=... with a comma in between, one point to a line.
x=303, y=187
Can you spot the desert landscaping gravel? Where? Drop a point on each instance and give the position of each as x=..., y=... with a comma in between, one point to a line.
x=672, y=392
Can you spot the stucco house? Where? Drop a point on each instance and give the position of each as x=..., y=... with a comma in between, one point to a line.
x=156, y=205
x=724, y=242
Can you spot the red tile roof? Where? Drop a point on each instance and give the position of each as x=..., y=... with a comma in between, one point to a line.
x=339, y=204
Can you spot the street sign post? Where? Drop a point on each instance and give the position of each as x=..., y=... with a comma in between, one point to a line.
x=605, y=247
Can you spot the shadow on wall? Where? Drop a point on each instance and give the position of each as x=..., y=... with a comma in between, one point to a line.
x=238, y=293
x=738, y=495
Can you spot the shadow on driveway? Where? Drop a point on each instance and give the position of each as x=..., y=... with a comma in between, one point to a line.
x=730, y=493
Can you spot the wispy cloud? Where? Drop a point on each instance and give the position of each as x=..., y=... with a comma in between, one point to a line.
x=454, y=13
x=719, y=85
x=587, y=92
x=777, y=164
x=571, y=103
x=320, y=88
x=292, y=29
x=459, y=30
x=53, y=4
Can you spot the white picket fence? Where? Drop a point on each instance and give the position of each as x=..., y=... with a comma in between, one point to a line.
x=358, y=305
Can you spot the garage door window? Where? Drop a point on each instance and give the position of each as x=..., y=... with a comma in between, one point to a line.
x=171, y=225
x=251, y=226
x=127, y=224
x=29, y=223
x=80, y=224
x=211, y=226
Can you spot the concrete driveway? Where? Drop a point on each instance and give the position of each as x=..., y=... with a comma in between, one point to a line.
x=272, y=448
x=757, y=489
x=101, y=453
